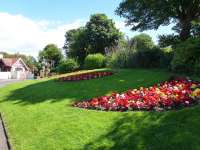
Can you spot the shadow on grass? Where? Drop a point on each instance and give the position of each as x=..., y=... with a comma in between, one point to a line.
x=176, y=130
x=53, y=91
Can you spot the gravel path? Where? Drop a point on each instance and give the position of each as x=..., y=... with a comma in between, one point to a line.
x=4, y=82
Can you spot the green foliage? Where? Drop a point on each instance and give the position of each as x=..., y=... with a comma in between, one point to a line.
x=67, y=65
x=98, y=34
x=94, y=61
x=75, y=44
x=131, y=58
x=151, y=14
x=140, y=51
x=101, y=33
x=149, y=58
x=167, y=54
x=143, y=42
x=51, y=54
x=168, y=40
x=187, y=55
x=123, y=58
x=197, y=67
x=195, y=28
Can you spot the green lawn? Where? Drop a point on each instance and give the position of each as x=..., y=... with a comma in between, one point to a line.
x=39, y=116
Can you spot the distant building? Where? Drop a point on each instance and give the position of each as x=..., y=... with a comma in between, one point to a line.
x=14, y=68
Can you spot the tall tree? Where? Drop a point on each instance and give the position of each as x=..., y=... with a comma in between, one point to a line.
x=143, y=42
x=101, y=33
x=51, y=54
x=75, y=44
x=151, y=14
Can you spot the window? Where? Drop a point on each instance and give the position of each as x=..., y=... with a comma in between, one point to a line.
x=18, y=69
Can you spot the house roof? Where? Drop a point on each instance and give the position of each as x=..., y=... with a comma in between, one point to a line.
x=9, y=61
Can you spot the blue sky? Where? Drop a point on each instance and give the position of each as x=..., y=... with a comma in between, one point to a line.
x=28, y=25
x=66, y=10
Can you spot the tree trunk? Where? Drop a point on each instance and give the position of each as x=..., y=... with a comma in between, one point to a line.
x=185, y=29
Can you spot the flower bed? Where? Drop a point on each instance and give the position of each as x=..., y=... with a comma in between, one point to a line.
x=86, y=76
x=164, y=96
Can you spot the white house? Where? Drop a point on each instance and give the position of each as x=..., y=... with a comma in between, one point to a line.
x=14, y=68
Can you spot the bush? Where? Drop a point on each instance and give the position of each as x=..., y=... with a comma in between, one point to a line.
x=94, y=61
x=165, y=59
x=122, y=59
x=68, y=65
x=186, y=57
x=131, y=58
x=149, y=58
x=197, y=67
x=143, y=42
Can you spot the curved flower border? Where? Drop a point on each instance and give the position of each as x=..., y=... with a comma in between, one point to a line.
x=86, y=76
x=167, y=95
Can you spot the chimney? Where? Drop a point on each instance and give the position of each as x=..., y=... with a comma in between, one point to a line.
x=1, y=56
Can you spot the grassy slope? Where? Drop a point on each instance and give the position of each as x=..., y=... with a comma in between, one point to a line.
x=39, y=116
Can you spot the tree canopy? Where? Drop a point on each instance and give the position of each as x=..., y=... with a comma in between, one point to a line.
x=51, y=54
x=151, y=14
x=143, y=42
x=101, y=33
x=75, y=44
x=98, y=34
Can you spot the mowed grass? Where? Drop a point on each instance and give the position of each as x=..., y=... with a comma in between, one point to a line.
x=39, y=116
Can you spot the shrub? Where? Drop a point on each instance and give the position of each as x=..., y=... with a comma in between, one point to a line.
x=165, y=59
x=122, y=59
x=143, y=42
x=131, y=58
x=93, y=61
x=186, y=57
x=197, y=67
x=149, y=58
x=68, y=65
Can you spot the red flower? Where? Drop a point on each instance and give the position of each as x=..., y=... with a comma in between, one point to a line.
x=94, y=102
x=166, y=95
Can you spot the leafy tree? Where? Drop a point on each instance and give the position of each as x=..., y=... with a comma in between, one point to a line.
x=51, y=54
x=31, y=62
x=151, y=14
x=168, y=40
x=195, y=29
x=142, y=42
x=187, y=56
x=75, y=44
x=101, y=33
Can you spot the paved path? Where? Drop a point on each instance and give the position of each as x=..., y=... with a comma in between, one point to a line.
x=3, y=139
x=4, y=82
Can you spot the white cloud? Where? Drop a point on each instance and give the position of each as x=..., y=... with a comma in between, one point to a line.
x=24, y=35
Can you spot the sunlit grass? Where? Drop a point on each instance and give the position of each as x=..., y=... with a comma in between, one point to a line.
x=39, y=116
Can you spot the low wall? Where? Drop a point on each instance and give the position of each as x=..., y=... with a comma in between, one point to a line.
x=5, y=75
